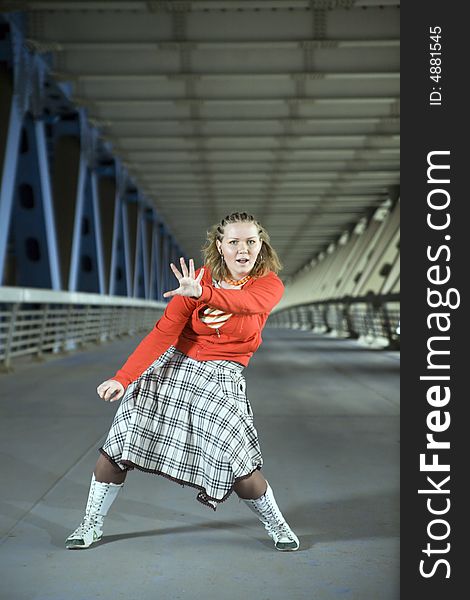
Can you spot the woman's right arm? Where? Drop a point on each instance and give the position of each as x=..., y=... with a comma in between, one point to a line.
x=163, y=335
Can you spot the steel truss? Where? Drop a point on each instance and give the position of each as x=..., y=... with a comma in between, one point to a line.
x=72, y=218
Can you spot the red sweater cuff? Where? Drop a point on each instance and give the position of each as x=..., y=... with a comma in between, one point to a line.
x=206, y=293
x=123, y=380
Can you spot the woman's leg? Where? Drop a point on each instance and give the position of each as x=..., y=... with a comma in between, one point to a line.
x=106, y=472
x=106, y=483
x=251, y=487
x=258, y=496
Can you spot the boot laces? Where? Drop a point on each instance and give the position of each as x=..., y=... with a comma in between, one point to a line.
x=284, y=531
x=89, y=522
x=98, y=497
x=274, y=524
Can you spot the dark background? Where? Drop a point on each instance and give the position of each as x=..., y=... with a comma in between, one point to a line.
x=426, y=128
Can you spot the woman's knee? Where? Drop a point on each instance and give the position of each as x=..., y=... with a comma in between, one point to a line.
x=251, y=487
x=106, y=472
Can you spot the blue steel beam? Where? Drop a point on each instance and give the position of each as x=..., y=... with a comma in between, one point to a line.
x=65, y=151
x=26, y=186
x=7, y=187
x=140, y=274
x=132, y=211
x=126, y=245
x=46, y=193
x=145, y=249
x=39, y=101
x=12, y=54
x=95, y=200
x=163, y=259
x=87, y=262
x=119, y=271
x=76, y=241
x=155, y=269
x=149, y=220
x=33, y=228
x=106, y=192
x=86, y=266
x=168, y=277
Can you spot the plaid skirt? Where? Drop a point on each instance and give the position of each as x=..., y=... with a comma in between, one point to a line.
x=189, y=421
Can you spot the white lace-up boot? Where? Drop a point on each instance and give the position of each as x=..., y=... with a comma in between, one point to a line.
x=269, y=514
x=90, y=530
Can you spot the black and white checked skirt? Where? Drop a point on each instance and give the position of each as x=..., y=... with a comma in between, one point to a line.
x=189, y=421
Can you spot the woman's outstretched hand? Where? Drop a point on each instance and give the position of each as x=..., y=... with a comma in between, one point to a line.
x=110, y=390
x=189, y=283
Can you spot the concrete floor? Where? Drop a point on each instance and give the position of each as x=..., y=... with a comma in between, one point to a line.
x=327, y=413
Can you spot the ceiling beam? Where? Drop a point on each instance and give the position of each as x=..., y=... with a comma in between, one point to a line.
x=286, y=120
x=155, y=102
x=126, y=47
x=220, y=77
x=194, y=5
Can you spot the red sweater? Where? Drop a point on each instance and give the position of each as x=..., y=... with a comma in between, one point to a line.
x=182, y=327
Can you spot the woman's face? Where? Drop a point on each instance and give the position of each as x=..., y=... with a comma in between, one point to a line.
x=240, y=246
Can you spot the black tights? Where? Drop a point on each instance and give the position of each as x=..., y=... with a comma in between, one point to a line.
x=251, y=487
x=106, y=472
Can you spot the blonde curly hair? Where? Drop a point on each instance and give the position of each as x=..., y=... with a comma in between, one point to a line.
x=266, y=261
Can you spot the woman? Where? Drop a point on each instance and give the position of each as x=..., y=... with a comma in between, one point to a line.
x=185, y=414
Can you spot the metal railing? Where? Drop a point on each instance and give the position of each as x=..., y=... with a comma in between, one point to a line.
x=38, y=322
x=372, y=319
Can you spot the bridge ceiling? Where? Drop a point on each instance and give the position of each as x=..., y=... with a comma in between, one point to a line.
x=286, y=109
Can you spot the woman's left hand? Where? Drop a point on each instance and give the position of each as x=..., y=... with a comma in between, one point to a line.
x=189, y=283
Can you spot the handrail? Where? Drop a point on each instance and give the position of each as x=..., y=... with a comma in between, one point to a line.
x=36, y=322
x=23, y=295
x=372, y=319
